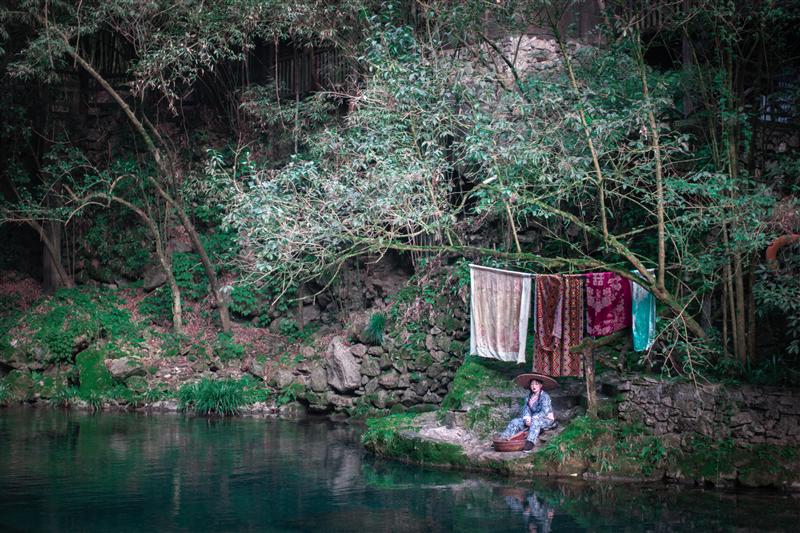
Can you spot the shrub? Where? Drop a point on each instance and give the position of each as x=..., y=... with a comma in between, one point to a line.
x=290, y=394
x=63, y=397
x=205, y=397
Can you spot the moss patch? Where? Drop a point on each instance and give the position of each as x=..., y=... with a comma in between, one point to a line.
x=77, y=316
x=94, y=376
x=473, y=377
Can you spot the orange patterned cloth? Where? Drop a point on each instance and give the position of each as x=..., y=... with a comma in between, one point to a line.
x=559, y=325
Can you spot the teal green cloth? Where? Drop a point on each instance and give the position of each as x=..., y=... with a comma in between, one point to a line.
x=644, y=317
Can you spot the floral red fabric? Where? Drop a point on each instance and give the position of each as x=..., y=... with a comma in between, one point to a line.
x=559, y=325
x=608, y=303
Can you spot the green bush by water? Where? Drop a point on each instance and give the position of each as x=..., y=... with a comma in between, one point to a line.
x=220, y=397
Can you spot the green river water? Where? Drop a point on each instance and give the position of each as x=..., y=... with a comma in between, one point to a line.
x=68, y=471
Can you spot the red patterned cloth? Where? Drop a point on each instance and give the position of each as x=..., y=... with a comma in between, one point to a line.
x=608, y=303
x=559, y=325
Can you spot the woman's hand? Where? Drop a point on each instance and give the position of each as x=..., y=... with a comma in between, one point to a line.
x=527, y=420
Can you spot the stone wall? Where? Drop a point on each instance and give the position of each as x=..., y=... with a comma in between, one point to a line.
x=404, y=371
x=677, y=411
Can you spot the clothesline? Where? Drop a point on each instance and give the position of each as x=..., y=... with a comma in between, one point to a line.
x=565, y=307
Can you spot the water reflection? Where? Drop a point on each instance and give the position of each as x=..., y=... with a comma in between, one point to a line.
x=537, y=516
x=70, y=471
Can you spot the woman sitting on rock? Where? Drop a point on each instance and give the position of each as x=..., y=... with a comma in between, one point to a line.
x=537, y=412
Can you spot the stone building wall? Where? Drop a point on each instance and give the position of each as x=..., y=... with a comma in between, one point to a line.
x=746, y=414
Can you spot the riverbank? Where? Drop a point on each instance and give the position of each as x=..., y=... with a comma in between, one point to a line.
x=701, y=449
x=405, y=370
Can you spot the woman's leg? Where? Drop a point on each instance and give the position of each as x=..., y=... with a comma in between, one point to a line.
x=538, y=422
x=514, y=427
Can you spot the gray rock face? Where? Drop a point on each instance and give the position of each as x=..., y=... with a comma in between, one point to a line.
x=371, y=386
x=124, y=367
x=317, y=379
x=283, y=378
x=386, y=362
x=342, y=368
x=370, y=367
x=389, y=380
x=435, y=370
x=358, y=350
x=292, y=410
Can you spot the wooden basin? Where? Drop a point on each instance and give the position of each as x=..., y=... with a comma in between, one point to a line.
x=515, y=444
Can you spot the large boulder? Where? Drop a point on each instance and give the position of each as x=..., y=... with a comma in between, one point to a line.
x=283, y=378
x=317, y=379
x=154, y=277
x=342, y=368
x=124, y=367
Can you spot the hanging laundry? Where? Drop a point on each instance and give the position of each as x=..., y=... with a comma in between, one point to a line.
x=500, y=309
x=559, y=324
x=608, y=303
x=643, y=309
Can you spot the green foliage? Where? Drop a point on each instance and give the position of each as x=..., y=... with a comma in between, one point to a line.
x=710, y=459
x=5, y=392
x=778, y=295
x=226, y=348
x=158, y=304
x=74, y=313
x=606, y=446
x=291, y=330
x=64, y=397
x=383, y=431
x=206, y=397
x=94, y=400
x=374, y=331
x=290, y=394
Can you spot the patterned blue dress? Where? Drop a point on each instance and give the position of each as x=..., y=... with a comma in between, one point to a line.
x=540, y=413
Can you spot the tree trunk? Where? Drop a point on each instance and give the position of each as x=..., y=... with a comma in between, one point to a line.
x=591, y=387
x=164, y=257
x=163, y=166
x=220, y=300
x=53, y=272
x=740, y=307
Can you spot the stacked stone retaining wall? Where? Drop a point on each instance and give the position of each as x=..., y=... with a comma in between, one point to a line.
x=746, y=414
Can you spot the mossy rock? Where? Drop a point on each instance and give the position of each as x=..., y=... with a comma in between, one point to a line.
x=20, y=385
x=137, y=384
x=50, y=386
x=394, y=436
x=93, y=374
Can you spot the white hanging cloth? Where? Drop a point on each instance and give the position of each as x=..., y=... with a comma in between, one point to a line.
x=499, y=312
